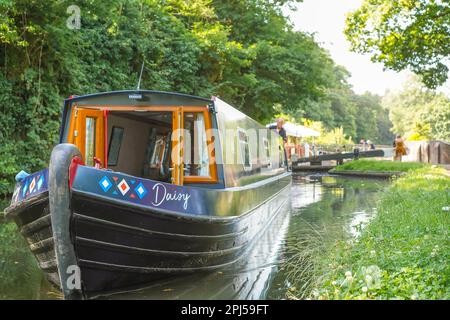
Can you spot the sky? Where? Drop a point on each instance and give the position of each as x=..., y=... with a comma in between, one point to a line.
x=327, y=19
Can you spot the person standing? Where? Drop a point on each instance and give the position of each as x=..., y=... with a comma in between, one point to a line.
x=280, y=129
x=363, y=142
x=399, y=148
x=282, y=132
x=306, y=146
x=370, y=145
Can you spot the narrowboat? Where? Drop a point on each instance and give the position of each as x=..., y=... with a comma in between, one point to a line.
x=147, y=184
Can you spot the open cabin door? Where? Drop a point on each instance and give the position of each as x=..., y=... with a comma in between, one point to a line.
x=192, y=154
x=89, y=135
x=182, y=149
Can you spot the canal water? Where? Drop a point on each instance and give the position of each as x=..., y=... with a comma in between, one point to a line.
x=323, y=209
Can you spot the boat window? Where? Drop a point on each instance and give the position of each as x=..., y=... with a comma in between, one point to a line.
x=114, y=145
x=281, y=156
x=90, y=141
x=266, y=146
x=244, y=149
x=196, y=157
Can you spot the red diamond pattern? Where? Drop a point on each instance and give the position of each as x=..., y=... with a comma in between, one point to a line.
x=32, y=185
x=123, y=187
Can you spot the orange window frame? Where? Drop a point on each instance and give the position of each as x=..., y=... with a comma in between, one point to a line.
x=177, y=157
x=212, y=178
x=77, y=131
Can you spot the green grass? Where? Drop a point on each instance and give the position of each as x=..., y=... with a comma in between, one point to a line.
x=403, y=253
x=380, y=166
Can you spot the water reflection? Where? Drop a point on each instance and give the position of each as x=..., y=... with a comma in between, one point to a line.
x=305, y=191
x=335, y=208
x=359, y=220
x=324, y=208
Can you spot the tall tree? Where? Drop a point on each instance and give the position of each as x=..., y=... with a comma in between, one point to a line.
x=404, y=34
x=279, y=65
x=418, y=112
x=372, y=121
x=242, y=50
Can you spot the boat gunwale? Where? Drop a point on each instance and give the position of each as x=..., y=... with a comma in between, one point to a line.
x=190, y=217
x=255, y=184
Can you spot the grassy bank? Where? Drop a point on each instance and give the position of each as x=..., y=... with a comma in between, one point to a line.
x=403, y=253
x=365, y=165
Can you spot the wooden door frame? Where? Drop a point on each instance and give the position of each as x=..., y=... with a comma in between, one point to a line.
x=77, y=131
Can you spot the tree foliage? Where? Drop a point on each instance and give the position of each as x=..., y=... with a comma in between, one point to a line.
x=372, y=120
x=419, y=113
x=404, y=34
x=244, y=51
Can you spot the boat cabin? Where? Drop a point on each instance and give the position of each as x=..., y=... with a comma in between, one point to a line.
x=169, y=137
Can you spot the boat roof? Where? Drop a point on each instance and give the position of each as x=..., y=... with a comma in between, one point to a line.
x=130, y=98
x=134, y=95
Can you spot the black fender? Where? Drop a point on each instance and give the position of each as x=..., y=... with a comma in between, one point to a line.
x=60, y=213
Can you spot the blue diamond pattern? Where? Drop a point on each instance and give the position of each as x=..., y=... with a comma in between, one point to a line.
x=140, y=190
x=24, y=190
x=105, y=183
x=40, y=182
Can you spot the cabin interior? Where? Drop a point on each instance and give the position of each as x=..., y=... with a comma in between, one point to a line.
x=146, y=136
x=140, y=142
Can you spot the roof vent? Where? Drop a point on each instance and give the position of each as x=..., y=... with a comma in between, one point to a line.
x=135, y=96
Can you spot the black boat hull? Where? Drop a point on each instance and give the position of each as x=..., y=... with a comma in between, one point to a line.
x=249, y=278
x=117, y=251
x=120, y=241
x=32, y=217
